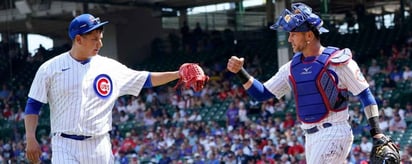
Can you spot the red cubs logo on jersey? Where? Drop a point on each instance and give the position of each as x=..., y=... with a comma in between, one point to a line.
x=103, y=85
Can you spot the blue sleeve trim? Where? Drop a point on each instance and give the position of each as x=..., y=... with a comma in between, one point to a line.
x=259, y=92
x=33, y=106
x=366, y=97
x=148, y=82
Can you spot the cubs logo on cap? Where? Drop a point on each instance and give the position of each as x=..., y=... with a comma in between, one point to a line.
x=83, y=24
x=103, y=85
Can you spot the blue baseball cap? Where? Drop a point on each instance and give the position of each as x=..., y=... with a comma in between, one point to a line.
x=83, y=24
x=300, y=20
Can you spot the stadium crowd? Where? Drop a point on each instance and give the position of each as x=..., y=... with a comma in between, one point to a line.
x=168, y=126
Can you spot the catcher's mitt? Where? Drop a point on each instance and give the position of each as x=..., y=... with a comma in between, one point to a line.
x=384, y=151
x=192, y=76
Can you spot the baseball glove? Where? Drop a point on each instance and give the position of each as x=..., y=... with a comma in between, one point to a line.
x=192, y=76
x=384, y=151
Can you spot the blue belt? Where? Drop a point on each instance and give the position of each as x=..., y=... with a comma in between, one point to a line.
x=316, y=129
x=74, y=137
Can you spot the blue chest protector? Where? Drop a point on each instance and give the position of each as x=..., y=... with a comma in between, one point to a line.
x=315, y=87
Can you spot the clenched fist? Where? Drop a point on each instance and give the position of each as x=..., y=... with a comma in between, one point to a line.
x=235, y=64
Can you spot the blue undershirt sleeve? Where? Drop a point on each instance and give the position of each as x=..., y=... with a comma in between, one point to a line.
x=258, y=91
x=366, y=98
x=33, y=106
x=148, y=83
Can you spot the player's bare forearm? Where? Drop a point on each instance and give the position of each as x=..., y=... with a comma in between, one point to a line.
x=160, y=78
x=30, y=123
x=33, y=151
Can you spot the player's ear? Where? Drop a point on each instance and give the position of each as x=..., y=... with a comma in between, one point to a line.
x=78, y=39
x=309, y=36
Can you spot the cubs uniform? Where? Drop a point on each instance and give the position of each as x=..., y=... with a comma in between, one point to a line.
x=321, y=79
x=331, y=144
x=81, y=96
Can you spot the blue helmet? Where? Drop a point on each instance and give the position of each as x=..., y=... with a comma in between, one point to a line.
x=300, y=20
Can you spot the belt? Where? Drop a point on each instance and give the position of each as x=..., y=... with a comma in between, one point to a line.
x=316, y=128
x=71, y=136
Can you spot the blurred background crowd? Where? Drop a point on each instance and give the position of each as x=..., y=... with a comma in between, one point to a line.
x=220, y=123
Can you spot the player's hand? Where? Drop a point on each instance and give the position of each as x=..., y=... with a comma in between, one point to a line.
x=33, y=151
x=235, y=64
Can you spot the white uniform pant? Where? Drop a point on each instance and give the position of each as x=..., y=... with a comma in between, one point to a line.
x=329, y=145
x=95, y=150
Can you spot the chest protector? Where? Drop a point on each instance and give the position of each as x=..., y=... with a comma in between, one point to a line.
x=315, y=87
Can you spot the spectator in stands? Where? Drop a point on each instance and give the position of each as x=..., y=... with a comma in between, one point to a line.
x=230, y=159
x=269, y=146
x=407, y=154
x=396, y=124
x=396, y=75
x=224, y=153
x=383, y=123
x=148, y=119
x=387, y=109
x=195, y=116
x=150, y=96
x=124, y=117
x=408, y=110
x=4, y=92
x=132, y=105
x=356, y=115
x=264, y=113
x=356, y=128
x=21, y=92
x=388, y=84
x=296, y=149
x=366, y=145
x=357, y=158
x=241, y=157
x=399, y=110
x=374, y=68
x=407, y=73
x=289, y=121
x=243, y=117
x=212, y=157
x=165, y=159
x=232, y=116
x=198, y=159
x=19, y=116
x=7, y=112
x=120, y=105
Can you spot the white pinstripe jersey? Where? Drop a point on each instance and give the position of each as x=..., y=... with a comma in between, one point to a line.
x=349, y=75
x=81, y=96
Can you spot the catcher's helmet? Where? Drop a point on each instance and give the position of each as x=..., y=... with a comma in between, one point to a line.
x=300, y=20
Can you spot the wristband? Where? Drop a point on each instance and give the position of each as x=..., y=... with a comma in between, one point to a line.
x=374, y=123
x=243, y=76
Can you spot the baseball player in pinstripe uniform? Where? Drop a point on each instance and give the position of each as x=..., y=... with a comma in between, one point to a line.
x=321, y=79
x=81, y=87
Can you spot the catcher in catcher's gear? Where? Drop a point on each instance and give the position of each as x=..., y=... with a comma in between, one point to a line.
x=320, y=79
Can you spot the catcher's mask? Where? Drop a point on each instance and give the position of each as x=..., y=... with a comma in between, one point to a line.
x=300, y=20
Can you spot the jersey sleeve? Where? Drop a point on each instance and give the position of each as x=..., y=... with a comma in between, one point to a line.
x=130, y=81
x=352, y=78
x=278, y=84
x=39, y=87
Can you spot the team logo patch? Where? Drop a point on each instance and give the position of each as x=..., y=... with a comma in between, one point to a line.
x=103, y=85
